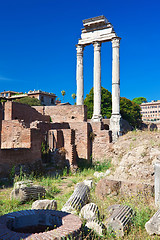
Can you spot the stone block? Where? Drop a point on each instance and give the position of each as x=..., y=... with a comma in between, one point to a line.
x=45, y=204
x=153, y=225
x=27, y=191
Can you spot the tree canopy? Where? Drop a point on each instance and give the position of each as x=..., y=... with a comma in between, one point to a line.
x=129, y=110
x=29, y=101
x=106, y=103
x=139, y=100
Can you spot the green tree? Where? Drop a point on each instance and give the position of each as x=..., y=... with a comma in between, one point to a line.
x=63, y=94
x=139, y=100
x=74, y=97
x=106, y=103
x=129, y=110
x=29, y=101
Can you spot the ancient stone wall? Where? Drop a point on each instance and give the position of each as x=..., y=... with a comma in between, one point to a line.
x=14, y=110
x=66, y=113
x=1, y=117
x=82, y=140
x=15, y=156
x=101, y=140
x=15, y=135
x=64, y=140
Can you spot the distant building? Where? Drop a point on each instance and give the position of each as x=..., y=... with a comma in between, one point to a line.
x=150, y=111
x=47, y=99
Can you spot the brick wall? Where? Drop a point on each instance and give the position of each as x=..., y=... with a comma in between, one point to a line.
x=17, y=154
x=64, y=138
x=101, y=140
x=14, y=110
x=1, y=117
x=81, y=139
x=15, y=135
x=66, y=113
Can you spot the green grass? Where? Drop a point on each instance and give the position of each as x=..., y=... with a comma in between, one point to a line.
x=60, y=188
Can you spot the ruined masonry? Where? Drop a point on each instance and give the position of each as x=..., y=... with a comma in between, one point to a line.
x=64, y=129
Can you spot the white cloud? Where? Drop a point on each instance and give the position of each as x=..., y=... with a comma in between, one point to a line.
x=5, y=79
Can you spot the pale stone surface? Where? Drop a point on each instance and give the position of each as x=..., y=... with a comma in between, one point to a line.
x=89, y=212
x=157, y=184
x=119, y=220
x=96, y=29
x=95, y=225
x=89, y=183
x=45, y=204
x=101, y=174
x=153, y=225
x=115, y=121
x=97, y=82
x=78, y=199
x=79, y=77
x=25, y=191
x=21, y=184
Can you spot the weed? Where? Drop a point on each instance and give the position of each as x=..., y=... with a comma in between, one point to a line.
x=70, y=184
x=52, y=192
x=102, y=166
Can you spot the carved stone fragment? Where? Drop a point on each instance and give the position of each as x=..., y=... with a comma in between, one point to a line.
x=44, y=204
x=78, y=199
x=153, y=225
x=95, y=225
x=25, y=191
x=119, y=220
x=89, y=212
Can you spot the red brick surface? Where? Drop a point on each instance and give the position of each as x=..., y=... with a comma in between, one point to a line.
x=67, y=113
x=71, y=225
x=14, y=110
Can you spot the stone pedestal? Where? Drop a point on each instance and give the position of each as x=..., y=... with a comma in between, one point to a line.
x=115, y=121
x=97, y=82
x=79, y=76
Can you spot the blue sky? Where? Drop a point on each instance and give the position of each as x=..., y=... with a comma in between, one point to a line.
x=38, y=38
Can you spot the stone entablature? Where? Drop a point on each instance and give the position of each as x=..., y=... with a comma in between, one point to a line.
x=96, y=29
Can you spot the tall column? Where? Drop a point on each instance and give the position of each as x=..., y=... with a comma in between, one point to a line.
x=79, y=75
x=115, y=121
x=97, y=83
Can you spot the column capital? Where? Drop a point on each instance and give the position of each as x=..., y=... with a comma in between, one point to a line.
x=116, y=42
x=97, y=46
x=79, y=49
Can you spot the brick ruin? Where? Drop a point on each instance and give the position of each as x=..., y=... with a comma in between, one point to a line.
x=24, y=128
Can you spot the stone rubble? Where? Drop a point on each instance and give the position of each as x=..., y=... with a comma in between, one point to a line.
x=45, y=204
x=101, y=174
x=26, y=191
x=153, y=225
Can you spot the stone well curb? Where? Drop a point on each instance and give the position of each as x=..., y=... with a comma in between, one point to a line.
x=71, y=226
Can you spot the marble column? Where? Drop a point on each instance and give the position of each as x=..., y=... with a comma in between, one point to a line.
x=157, y=184
x=79, y=75
x=97, y=83
x=115, y=121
